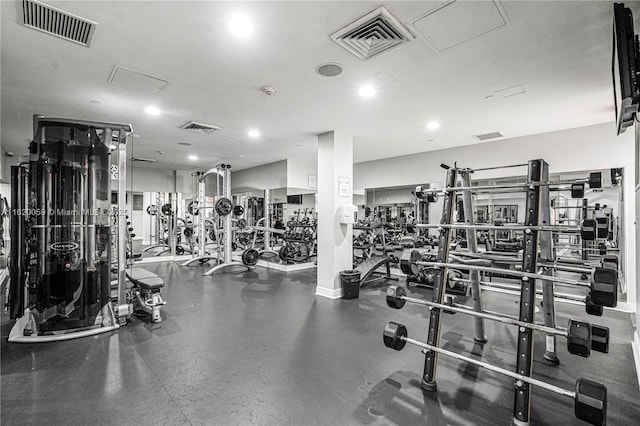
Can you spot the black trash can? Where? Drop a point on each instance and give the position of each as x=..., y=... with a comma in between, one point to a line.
x=350, y=281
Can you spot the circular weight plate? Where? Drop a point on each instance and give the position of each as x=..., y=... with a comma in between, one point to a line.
x=234, y=246
x=223, y=206
x=212, y=235
x=166, y=210
x=284, y=253
x=408, y=262
x=188, y=232
x=238, y=210
x=152, y=210
x=242, y=223
x=250, y=256
x=244, y=238
x=179, y=250
x=192, y=208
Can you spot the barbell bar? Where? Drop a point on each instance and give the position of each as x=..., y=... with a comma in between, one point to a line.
x=578, y=334
x=590, y=398
x=594, y=181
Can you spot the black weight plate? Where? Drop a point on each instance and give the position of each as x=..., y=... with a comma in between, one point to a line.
x=223, y=206
x=152, y=210
x=192, y=208
x=238, y=210
x=166, y=210
x=250, y=256
x=284, y=253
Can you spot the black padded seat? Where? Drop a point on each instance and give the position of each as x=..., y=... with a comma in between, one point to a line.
x=145, y=279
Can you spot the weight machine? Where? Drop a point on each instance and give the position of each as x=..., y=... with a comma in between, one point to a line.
x=223, y=208
x=62, y=247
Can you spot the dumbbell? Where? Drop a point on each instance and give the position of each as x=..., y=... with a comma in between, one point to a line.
x=590, y=398
x=579, y=334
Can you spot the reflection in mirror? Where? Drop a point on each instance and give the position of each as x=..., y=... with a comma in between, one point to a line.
x=397, y=208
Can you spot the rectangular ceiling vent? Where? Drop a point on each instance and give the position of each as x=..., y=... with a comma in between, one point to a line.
x=374, y=33
x=487, y=136
x=51, y=20
x=194, y=126
x=144, y=160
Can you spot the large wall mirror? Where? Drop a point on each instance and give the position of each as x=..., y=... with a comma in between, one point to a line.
x=398, y=208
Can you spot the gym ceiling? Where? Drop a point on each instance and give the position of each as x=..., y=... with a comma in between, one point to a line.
x=518, y=68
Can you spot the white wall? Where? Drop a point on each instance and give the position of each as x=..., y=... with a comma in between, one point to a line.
x=141, y=179
x=267, y=176
x=298, y=174
x=586, y=148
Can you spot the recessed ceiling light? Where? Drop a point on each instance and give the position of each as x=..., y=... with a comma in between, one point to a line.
x=184, y=143
x=113, y=147
x=367, y=91
x=253, y=134
x=95, y=101
x=193, y=157
x=137, y=136
x=151, y=110
x=432, y=125
x=240, y=25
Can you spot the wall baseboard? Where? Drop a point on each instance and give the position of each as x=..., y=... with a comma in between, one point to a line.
x=328, y=292
x=635, y=346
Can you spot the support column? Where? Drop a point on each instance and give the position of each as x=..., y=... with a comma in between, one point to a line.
x=335, y=188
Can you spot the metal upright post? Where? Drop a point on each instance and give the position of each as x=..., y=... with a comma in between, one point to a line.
x=202, y=242
x=547, y=255
x=472, y=244
x=267, y=220
x=524, y=361
x=439, y=287
x=121, y=223
x=226, y=192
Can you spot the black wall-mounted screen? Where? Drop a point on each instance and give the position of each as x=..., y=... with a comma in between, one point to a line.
x=294, y=199
x=623, y=67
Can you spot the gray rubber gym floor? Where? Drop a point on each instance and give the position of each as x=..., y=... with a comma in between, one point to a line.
x=258, y=347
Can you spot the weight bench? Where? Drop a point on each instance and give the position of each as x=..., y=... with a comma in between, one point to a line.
x=369, y=266
x=147, y=287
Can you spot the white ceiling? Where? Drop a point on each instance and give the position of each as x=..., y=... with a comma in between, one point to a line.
x=559, y=51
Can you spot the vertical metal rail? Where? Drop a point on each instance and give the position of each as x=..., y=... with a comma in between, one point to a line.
x=202, y=242
x=226, y=192
x=547, y=255
x=472, y=244
x=524, y=361
x=267, y=220
x=433, y=336
x=121, y=222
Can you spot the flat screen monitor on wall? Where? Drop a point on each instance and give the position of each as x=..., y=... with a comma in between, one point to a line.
x=294, y=199
x=624, y=67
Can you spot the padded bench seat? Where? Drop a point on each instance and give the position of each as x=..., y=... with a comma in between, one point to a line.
x=144, y=279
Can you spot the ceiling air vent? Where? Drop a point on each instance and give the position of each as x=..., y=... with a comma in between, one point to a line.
x=144, y=160
x=487, y=136
x=194, y=126
x=374, y=33
x=51, y=20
